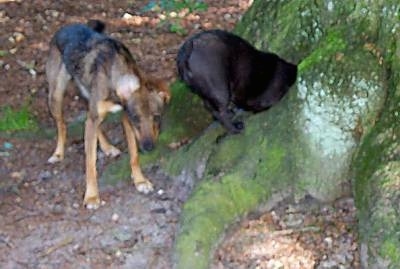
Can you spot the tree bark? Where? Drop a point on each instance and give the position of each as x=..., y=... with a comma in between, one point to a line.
x=337, y=128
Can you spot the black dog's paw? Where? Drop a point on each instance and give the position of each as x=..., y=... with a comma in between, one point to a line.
x=236, y=128
x=239, y=125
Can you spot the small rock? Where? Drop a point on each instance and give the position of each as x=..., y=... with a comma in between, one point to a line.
x=58, y=209
x=160, y=210
x=160, y=192
x=32, y=72
x=118, y=253
x=53, y=13
x=44, y=175
x=328, y=264
x=275, y=264
x=17, y=175
x=122, y=235
x=340, y=258
x=11, y=39
x=4, y=154
x=18, y=37
x=227, y=16
x=293, y=220
x=328, y=241
x=127, y=16
x=8, y=145
x=115, y=217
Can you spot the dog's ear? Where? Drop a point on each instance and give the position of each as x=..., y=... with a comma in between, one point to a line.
x=127, y=85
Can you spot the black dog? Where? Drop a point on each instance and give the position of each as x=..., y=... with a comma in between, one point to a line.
x=224, y=69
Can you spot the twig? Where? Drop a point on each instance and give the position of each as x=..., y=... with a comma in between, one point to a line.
x=6, y=241
x=66, y=241
x=292, y=231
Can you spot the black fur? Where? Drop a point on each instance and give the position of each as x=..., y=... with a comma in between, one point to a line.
x=224, y=69
x=75, y=41
x=97, y=25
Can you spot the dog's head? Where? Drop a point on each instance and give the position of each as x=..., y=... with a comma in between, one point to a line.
x=144, y=102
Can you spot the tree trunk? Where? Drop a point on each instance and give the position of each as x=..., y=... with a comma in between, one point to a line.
x=337, y=128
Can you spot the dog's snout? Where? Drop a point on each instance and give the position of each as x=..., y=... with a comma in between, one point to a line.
x=148, y=145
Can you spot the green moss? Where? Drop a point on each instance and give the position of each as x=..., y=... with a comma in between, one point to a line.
x=12, y=120
x=274, y=159
x=241, y=171
x=390, y=249
x=332, y=44
x=228, y=153
x=193, y=155
x=214, y=204
x=185, y=116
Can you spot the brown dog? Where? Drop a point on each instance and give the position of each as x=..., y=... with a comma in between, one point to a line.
x=108, y=78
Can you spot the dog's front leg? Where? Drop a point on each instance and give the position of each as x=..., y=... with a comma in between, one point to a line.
x=142, y=184
x=225, y=118
x=92, y=199
x=222, y=113
x=103, y=108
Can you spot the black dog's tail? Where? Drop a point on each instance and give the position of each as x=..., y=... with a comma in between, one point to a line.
x=97, y=25
x=182, y=61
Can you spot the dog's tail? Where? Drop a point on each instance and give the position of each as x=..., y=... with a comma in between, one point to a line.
x=97, y=25
x=182, y=59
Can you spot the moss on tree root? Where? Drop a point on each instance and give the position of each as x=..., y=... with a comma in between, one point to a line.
x=308, y=142
x=346, y=95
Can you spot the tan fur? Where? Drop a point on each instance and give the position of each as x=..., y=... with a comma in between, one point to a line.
x=124, y=86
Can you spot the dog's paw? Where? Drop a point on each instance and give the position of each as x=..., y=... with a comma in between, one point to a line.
x=239, y=125
x=144, y=187
x=55, y=158
x=112, y=152
x=92, y=203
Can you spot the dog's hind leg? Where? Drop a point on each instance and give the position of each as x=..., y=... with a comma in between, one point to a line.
x=142, y=184
x=58, y=79
x=92, y=198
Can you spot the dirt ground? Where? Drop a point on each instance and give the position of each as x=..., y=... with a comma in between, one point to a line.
x=42, y=221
